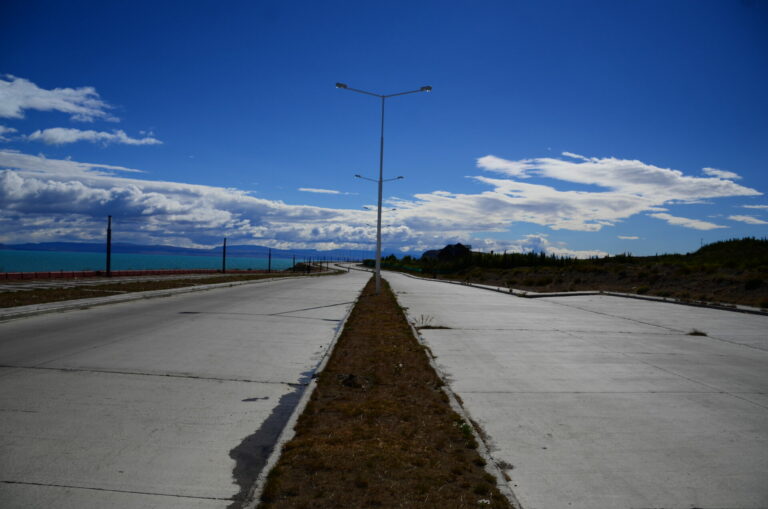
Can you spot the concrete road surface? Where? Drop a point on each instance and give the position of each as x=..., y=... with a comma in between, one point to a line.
x=169, y=402
x=603, y=402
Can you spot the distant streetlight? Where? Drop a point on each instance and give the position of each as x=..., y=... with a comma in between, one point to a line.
x=383, y=225
x=380, y=180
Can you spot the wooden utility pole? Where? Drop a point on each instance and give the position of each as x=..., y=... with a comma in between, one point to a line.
x=109, y=246
x=224, y=257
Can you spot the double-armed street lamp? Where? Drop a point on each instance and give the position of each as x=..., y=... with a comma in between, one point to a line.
x=380, y=180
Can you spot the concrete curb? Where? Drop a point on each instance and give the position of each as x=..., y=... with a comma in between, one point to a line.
x=67, y=305
x=289, y=431
x=492, y=467
x=538, y=295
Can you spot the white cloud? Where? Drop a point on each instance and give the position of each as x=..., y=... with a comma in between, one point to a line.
x=537, y=242
x=628, y=237
x=723, y=174
x=575, y=156
x=320, y=191
x=511, y=201
x=156, y=211
x=747, y=219
x=80, y=195
x=56, y=168
x=696, y=224
x=324, y=191
x=82, y=104
x=626, y=176
x=5, y=130
x=62, y=135
x=511, y=168
x=755, y=206
x=630, y=187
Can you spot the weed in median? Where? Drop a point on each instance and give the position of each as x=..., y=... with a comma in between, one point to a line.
x=425, y=322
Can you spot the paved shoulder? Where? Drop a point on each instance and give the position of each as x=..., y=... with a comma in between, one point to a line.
x=604, y=402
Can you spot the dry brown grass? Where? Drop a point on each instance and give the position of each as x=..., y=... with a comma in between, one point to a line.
x=378, y=430
x=28, y=297
x=703, y=283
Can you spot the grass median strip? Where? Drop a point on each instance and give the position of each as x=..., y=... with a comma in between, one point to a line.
x=378, y=430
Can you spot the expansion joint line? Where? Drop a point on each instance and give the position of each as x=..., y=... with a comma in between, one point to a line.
x=166, y=375
x=673, y=330
x=311, y=309
x=49, y=485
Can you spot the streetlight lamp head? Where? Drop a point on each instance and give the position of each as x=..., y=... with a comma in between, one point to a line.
x=380, y=181
x=358, y=176
x=400, y=177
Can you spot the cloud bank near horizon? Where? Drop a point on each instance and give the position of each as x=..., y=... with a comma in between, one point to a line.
x=50, y=199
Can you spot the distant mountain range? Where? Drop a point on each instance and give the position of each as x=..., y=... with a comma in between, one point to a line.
x=234, y=250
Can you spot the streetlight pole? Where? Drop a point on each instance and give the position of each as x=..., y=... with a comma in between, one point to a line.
x=381, y=168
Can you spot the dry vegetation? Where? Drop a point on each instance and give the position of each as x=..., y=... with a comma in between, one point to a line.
x=703, y=283
x=378, y=430
x=731, y=272
x=40, y=296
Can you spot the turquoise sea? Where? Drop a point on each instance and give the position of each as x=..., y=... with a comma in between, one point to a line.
x=43, y=261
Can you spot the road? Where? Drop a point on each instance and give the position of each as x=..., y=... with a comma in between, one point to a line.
x=168, y=402
x=604, y=402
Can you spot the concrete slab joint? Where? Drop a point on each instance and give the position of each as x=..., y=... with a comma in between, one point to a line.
x=166, y=403
x=484, y=447
x=600, y=404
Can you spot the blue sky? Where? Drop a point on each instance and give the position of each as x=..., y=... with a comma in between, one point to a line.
x=574, y=127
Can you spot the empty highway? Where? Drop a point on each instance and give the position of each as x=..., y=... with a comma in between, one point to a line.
x=598, y=402
x=167, y=402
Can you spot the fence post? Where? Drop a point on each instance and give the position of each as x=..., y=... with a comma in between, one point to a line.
x=224, y=258
x=109, y=246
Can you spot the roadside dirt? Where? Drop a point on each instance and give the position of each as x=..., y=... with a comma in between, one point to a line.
x=704, y=283
x=41, y=296
x=378, y=430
